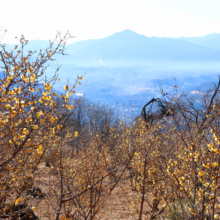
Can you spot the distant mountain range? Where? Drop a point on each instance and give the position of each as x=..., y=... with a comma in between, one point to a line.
x=128, y=48
x=211, y=41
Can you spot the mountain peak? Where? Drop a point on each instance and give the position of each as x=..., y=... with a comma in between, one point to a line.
x=125, y=36
x=127, y=31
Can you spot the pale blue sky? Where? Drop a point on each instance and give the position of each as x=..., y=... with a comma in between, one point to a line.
x=87, y=19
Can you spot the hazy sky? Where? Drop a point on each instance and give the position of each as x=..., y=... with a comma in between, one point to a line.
x=87, y=19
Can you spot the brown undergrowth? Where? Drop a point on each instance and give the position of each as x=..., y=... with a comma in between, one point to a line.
x=56, y=165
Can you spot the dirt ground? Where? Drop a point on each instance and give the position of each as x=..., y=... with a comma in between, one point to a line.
x=120, y=204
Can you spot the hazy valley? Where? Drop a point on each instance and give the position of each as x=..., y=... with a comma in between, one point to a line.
x=126, y=69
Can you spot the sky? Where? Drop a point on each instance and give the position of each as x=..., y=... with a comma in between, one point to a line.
x=94, y=19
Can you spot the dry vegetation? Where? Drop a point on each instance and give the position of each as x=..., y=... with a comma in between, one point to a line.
x=75, y=160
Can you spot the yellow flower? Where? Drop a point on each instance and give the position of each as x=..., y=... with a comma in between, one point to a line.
x=47, y=86
x=201, y=173
x=52, y=130
x=215, y=164
x=59, y=127
x=31, y=89
x=35, y=127
x=18, y=200
x=212, y=196
x=40, y=149
x=32, y=78
x=7, y=106
x=70, y=107
x=26, y=80
x=11, y=76
x=69, y=135
x=52, y=119
x=76, y=134
x=204, y=165
x=66, y=87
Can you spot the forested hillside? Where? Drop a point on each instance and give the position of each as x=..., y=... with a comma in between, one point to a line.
x=63, y=157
